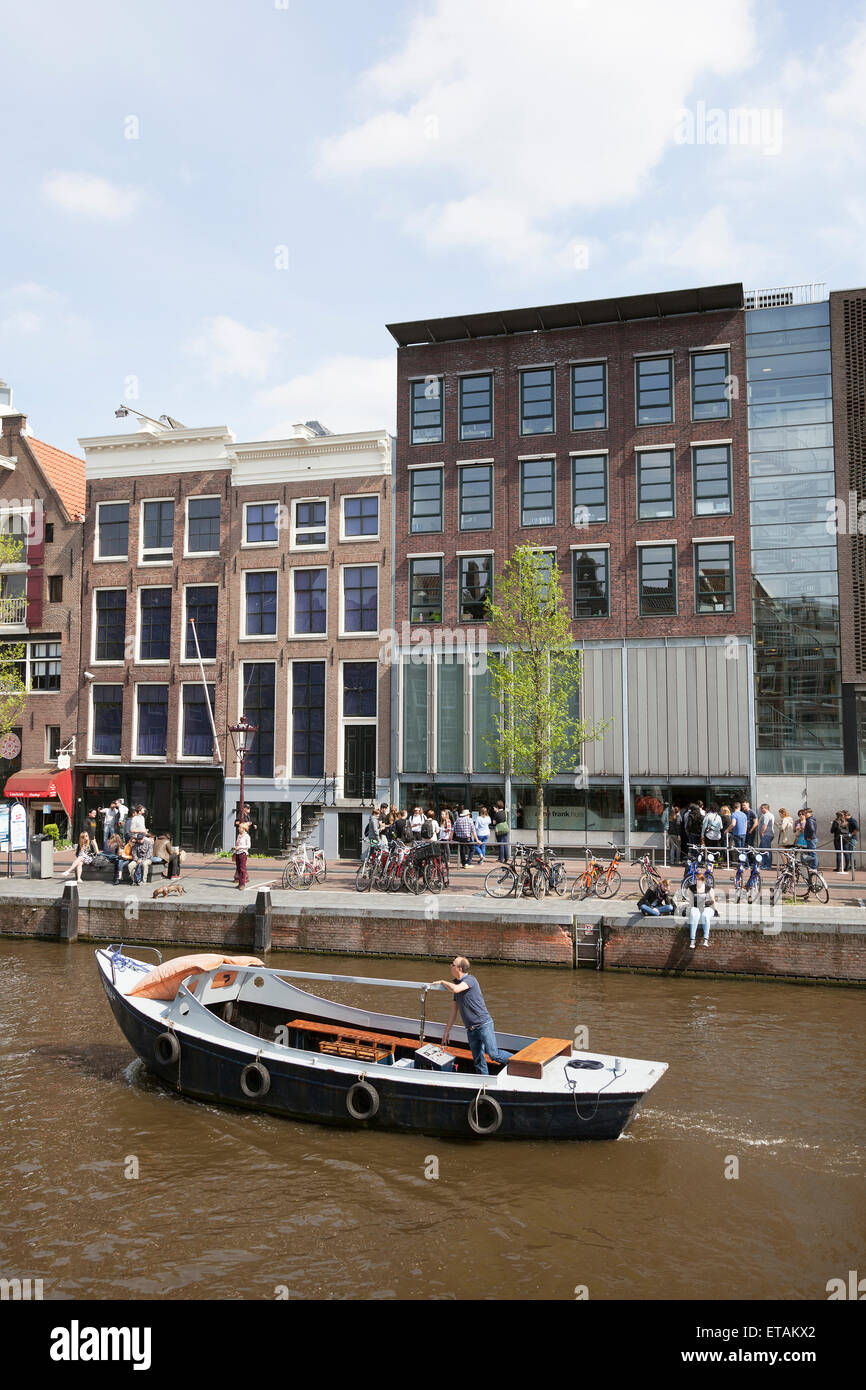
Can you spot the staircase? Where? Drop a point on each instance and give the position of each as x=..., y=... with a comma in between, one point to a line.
x=308, y=829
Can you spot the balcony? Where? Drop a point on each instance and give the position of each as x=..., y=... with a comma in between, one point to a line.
x=13, y=613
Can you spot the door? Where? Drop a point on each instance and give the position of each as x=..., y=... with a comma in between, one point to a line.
x=199, y=817
x=349, y=830
x=359, y=770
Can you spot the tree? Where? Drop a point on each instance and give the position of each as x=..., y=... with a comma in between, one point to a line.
x=13, y=690
x=536, y=678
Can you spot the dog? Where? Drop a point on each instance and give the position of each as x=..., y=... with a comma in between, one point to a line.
x=171, y=888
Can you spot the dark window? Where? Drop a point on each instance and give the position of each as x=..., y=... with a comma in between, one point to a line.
x=359, y=689
x=536, y=401
x=197, y=738
x=110, y=625
x=311, y=601
x=714, y=578
x=655, y=390
x=55, y=588
x=425, y=591
x=152, y=720
x=537, y=493
x=657, y=565
x=204, y=524
x=361, y=516
x=712, y=480
x=201, y=607
x=655, y=483
x=311, y=523
x=476, y=407
x=45, y=666
x=591, y=593
x=425, y=505
x=155, y=624
x=589, y=396
x=425, y=404
x=710, y=373
x=107, y=720
x=259, y=703
x=261, y=603
x=360, y=598
x=261, y=523
x=52, y=742
x=49, y=533
x=476, y=579
x=113, y=528
x=589, y=489
x=308, y=718
x=476, y=497
x=158, y=539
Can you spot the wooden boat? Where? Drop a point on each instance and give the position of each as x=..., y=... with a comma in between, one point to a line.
x=246, y=1036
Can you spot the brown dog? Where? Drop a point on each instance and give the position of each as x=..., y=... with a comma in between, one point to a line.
x=164, y=892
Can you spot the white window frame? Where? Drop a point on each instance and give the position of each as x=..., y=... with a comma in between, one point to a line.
x=193, y=660
x=148, y=757
x=103, y=757
x=139, y=659
x=107, y=589
x=306, y=636
x=353, y=721
x=202, y=497
x=353, y=497
x=168, y=556
x=245, y=636
x=359, y=634
x=206, y=760
x=28, y=643
x=294, y=544
x=260, y=545
x=110, y=559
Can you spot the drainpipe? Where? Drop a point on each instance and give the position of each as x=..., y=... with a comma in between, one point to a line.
x=395, y=670
x=626, y=781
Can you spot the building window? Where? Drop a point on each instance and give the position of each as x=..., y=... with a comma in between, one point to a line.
x=425, y=500
x=112, y=530
x=589, y=489
x=311, y=524
x=197, y=735
x=157, y=543
x=425, y=591
x=311, y=601
x=44, y=666
x=155, y=643
x=589, y=396
x=360, y=516
x=201, y=609
x=710, y=378
x=52, y=742
x=655, y=483
x=476, y=580
x=261, y=523
x=450, y=754
x=152, y=721
x=55, y=588
x=107, y=720
x=476, y=497
x=203, y=525
x=537, y=411
x=359, y=690
x=714, y=578
x=425, y=405
x=261, y=603
x=415, y=721
x=49, y=532
x=538, y=492
x=655, y=390
x=657, y=570
x=258, y=704
x=476, y=407
x=591, y=591
x=360, y=598
x=711, y=480
x=308, y=718
x=110, y=625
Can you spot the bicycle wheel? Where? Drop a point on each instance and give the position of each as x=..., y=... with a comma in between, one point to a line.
x=364, y=877
x=802, y=885
x=754, y=888
x=411, y=881
x=738, y=885
x=444, y=872
x=321, y=868
x=501, y=882
x=306, y=876
x=559, y=880
x=432, y=877
x=291, y=878
x=538, y=883
x=818, y=885
x=609, y=887
x=646, y=882
x=581, y=888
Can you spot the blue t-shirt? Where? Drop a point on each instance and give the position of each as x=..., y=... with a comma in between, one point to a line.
x=738, y=822
x=470, y=1002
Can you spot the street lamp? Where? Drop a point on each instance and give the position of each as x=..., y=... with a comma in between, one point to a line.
x=242, y=734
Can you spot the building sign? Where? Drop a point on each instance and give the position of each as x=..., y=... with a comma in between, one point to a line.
x=18, y=826
x=4, y=825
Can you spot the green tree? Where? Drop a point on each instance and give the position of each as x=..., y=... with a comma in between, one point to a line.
x=536, y=677
x=13, y=691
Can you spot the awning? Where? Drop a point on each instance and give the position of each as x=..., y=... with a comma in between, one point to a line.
x=46, y=783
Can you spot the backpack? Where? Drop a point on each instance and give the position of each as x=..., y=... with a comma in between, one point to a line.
x=713, y=827
x=427, y=828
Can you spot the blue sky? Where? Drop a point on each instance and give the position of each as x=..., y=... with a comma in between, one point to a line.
x=301, y=174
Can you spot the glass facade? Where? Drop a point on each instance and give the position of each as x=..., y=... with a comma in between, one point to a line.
x=795, y=589
x=450, y=756
x=415, y=716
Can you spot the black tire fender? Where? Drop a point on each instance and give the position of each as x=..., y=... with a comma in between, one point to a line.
x=167, y=1048
x=362, y=1112
x=261, y=1086
x=476, y=1124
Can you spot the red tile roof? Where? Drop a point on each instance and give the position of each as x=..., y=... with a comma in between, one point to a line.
x=65, y=472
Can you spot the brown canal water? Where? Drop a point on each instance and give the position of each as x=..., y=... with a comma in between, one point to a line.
x=234, y=1205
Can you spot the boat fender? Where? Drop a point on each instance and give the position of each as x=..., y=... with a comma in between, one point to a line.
x=167, y=1048
x=362, y=1100
x=493, y=1119
x=255, y=1080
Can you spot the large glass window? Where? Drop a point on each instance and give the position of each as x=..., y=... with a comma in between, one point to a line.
x=415, y=722
x=359, y=689
x=450, y=754
x=203, y=525
x=654, y=386
x=657, y=580
x=107, y=720
x=714, y=578
x=425, y=405
x=476, y=407
x=476, y=580
x=537, y=492
x=476, y=497
x=262, y=523
x=44, y=665
x=110, y=625
x=201, y=609
x=361, y=516
x=425, y=591
x=157, y=544
x=589, y=396
x=537, y=409
x=711, y=480
x=655, y=483
x=258, y=702
x=152, y=721
x=425, y=500
x=485, y=711
x=311, y=601
x=591, y=593
x=360, y=598
x=112, y=529
x=155, y=643
x=196, y=733
x=589, y=488
x=308, y=718
x=261, y=603
x=311, y=524
x=710, y=380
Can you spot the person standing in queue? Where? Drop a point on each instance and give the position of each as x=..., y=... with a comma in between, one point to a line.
x=469, y=1000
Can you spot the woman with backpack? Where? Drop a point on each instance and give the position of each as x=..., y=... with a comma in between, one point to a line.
x=711, y=828
x=501, y=831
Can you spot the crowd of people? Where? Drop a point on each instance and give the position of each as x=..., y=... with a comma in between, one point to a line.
x=127, y=844
x=739, y=826
x=467, y=834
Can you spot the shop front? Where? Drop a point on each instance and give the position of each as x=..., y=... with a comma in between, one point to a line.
x=47, y=794
x=185, y=805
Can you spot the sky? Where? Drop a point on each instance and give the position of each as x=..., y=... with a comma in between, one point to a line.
x=212, y=208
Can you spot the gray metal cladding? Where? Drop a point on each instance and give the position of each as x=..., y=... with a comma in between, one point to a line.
x=688, y=711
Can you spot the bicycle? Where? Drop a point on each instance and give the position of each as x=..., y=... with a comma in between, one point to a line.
x=516, y=877
x=302, y=864
x=700, y=861
x=604, y=880
x=799, y=880
x=752, y=881
x=553, y=874
x=650, y=876
x=370, y=870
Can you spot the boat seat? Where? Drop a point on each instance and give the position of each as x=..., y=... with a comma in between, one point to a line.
x=531, y=1060
x=364, y=1038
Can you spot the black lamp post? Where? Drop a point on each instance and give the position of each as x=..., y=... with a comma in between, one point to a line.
x=242, y=734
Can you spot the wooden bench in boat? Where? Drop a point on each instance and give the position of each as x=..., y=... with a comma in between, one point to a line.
x=530, y=1061
x=332, y=1036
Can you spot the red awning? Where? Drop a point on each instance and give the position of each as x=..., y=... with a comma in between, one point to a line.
x=46, y=783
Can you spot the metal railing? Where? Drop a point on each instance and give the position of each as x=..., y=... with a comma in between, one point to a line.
x=782, y=295
x=13, y=610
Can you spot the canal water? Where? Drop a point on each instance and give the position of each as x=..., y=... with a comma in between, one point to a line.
x=765, y=1081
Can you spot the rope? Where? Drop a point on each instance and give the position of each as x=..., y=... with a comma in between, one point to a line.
x=477, y=1101
x=587, y=1119
x=173, y=1032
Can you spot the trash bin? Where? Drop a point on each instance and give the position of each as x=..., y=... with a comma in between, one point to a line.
x=41, y=856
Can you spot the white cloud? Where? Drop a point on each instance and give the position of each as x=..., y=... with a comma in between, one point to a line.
x=89, y=195
x=345, y=393
x=228, y=348
x=705, y=248
x=29, y=308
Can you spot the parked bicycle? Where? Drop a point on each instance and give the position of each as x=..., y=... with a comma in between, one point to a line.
x=650, y=875
x=303, y=865
x=520, y=875
x=604, y=880
x=554, y=878
x=700, y=860
x=748, y=877
x=797, y=880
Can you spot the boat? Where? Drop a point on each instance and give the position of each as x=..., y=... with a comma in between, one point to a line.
x=247, y=1036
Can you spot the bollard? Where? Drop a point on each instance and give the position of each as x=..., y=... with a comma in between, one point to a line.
x=264, y=921
x=69, y=912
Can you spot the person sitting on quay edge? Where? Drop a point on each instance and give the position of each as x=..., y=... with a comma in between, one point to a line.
x=702, y=909
x=83, y=855
x=475, y=1015
x=112, y=851
x=169, y=854
x=142, y=854
x=657, y=901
